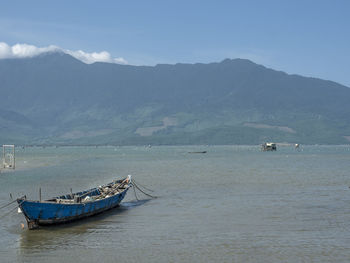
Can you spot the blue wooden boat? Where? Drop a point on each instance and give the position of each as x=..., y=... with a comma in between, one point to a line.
x=74, y=206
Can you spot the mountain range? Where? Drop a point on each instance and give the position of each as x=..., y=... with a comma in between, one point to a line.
x=54, y=98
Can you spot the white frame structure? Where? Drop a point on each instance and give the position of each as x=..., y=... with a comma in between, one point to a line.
x=8, y=157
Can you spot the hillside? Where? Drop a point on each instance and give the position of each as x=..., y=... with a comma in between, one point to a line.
x=54, y=98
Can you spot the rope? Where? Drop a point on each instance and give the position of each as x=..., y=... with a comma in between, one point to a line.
x=13, y=209
x=135, y=194
x=143, y=186
x=138, y=188
x=8, y=204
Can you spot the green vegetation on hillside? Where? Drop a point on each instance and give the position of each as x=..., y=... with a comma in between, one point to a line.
x=56, y=99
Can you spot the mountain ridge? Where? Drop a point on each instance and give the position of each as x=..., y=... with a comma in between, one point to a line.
x=59, y=95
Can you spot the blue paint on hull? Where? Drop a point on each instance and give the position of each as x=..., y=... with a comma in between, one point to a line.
x=50, y=212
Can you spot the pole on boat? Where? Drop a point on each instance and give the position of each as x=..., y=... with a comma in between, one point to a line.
x=40, y=194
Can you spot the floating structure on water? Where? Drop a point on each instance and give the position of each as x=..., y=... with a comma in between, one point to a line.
x=74, y=206
x=268, y=146
x=8, y=157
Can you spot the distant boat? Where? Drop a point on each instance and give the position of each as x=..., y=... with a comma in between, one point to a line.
x=74, y=206
x=199, y=152
x=269, y=146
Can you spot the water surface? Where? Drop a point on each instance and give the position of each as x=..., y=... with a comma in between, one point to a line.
x=232, y=204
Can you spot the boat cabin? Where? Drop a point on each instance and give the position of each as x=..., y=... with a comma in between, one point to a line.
x=269, y=146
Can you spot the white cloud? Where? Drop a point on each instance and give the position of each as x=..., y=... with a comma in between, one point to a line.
x=89, y=58
x=25, y=51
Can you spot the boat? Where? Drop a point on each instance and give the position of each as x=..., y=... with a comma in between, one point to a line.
x=269, y=146
x=74, y=206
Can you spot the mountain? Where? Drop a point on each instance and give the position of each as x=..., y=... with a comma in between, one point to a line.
x=55, y=99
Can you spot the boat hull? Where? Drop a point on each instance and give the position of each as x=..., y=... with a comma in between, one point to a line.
x=48, y=213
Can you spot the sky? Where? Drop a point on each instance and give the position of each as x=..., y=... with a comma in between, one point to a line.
x=309, y=37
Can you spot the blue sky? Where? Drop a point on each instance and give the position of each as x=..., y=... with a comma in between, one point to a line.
x=307, y=37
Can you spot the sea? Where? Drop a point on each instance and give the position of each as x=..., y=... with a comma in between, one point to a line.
x=230, y=204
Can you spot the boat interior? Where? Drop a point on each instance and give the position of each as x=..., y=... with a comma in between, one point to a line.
x=93, y=194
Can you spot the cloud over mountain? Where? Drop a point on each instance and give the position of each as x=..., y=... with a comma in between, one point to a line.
x=28, y=51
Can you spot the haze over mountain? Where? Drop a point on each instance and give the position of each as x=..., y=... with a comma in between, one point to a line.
x=55, y=98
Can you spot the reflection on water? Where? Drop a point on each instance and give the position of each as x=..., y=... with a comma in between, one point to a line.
x=232, y=204
x=66, y=235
